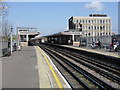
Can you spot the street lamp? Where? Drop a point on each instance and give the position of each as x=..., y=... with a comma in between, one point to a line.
x=11, y=39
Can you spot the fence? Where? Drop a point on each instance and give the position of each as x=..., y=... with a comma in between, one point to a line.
x=3, y=45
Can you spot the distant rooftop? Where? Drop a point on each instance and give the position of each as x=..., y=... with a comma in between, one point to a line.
x=28, y=30
x=98, y=15
x=90, y=16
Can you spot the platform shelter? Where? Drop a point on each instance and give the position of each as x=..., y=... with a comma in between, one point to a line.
x=25, y=34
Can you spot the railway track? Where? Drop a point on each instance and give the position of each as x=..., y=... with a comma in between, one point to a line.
x=69, y=62
x=103, y=69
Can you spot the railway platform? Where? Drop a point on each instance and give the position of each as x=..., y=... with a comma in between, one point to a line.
x=98, y=51
x=31, y=68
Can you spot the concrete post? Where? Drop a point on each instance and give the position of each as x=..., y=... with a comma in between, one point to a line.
x=60, y=39
x=73, y=37
x=18, y=38
x=11, y=40
x=27, y=38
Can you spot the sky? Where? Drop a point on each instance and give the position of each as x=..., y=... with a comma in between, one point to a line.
x=52, y=17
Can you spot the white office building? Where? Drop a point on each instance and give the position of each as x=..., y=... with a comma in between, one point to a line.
x=92, y=28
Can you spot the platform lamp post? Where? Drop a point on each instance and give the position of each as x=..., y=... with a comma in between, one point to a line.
x=18, y=39
x=80, y=36
x=11, y=49
x=18, y=33
x=86, y=38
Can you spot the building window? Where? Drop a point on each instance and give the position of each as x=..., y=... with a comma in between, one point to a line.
x=95, y=27
x=106, y=27
x=103, y=27
x=92, y=21
x=100, y=27
x=83, y=21
x=98, y=34
x=74, y=21
x=103, y=33
x=109, y=27
x=77, y=21
x=106, y=21
x=92, y=27
x=97, y=21
x=100, y=21
x=80, y=21
x=89, y=34
x=103, y=21
x=89, y=21
x=89, y=27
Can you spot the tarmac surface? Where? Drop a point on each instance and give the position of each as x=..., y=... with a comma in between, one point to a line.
x=31, y=68
x=20, y=69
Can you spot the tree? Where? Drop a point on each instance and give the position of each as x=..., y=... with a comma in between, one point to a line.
x=5, y=31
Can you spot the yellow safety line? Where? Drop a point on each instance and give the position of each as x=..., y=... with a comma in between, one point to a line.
x=99, y=52
x=51, y=68
x=38, y=64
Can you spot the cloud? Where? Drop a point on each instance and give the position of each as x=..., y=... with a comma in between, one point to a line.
x=96, y=6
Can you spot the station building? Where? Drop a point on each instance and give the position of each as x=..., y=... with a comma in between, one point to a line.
x=25, y=34
x=84, y=29
x=64, y=38
x=93, y=28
